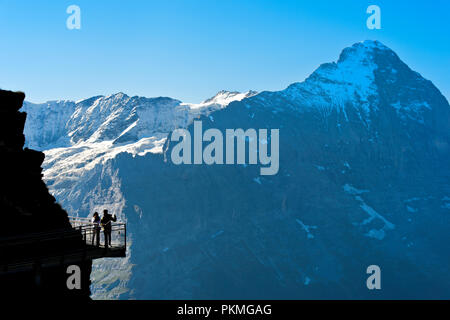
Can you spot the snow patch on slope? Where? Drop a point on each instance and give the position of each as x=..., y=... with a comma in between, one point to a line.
x=380, y=233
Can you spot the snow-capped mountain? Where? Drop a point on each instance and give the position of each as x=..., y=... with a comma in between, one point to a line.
x=364, y=179
x=117, y=118
x=80, y=137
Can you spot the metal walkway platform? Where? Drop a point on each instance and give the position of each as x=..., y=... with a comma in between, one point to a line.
x=61, y=247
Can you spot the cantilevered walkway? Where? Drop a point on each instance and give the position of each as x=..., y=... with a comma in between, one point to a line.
x=60, y=247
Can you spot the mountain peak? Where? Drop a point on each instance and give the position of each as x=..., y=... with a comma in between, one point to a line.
x=356, y=77
x=371, y=44
x=119, y=95
x=364, y=51
x=225, y=97
x=352, y=74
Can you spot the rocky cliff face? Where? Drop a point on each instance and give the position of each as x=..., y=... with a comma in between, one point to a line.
x=26, y=207
x=364, y=179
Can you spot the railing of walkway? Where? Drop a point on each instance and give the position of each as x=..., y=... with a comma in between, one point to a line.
x=29, y=249
x=94, y=235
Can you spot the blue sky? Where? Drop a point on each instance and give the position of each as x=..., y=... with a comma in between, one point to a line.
x=190, y=49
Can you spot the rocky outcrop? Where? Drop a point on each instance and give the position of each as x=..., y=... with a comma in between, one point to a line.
x=27, y=208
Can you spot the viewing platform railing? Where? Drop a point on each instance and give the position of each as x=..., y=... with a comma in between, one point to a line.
x=88, y=231
x=60, y=247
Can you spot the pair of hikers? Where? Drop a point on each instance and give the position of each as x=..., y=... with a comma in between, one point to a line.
x=105, y=222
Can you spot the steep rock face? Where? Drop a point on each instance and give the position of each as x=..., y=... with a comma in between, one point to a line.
x=364, y=179
x=26, y=208
x=46, y=125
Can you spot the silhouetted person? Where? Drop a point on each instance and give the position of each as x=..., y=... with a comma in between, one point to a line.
x=106, y=221
x=96, y=234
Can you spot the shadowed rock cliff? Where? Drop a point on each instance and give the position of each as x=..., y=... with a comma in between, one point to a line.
x=28, y=209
